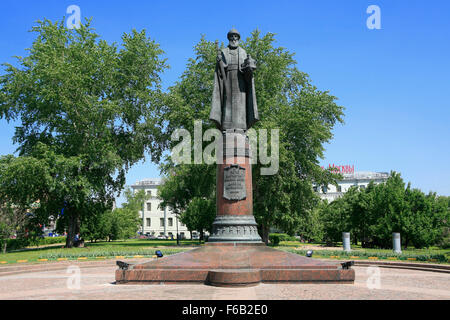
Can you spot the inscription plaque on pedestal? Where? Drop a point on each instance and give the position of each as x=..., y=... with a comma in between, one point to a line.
x=234, y=183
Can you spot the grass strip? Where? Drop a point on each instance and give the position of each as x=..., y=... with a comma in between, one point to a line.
x=438, y=256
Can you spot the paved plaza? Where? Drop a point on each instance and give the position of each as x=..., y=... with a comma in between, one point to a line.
x=96, y=281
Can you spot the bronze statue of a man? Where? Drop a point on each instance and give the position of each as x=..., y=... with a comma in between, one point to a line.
x=234, y=100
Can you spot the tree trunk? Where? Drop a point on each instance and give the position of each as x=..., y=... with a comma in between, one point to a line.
x=72, y=229
x=5, y=243
x=265, y=234
x=201, y=236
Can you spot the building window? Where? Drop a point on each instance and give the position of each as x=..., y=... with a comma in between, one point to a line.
x=161, y=222
x=149, y=222
x=149, y=206
x=324, y=189
x=362, y=187
x=170, y=222
x=315, y=188
x=339, y=188
x=149, y=192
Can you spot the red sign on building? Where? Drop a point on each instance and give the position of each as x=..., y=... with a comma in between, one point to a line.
x=342, y=169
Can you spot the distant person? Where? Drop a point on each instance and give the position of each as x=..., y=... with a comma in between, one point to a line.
x=78, y=242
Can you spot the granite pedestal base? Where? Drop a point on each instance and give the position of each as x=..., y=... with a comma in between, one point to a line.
x=235, y=264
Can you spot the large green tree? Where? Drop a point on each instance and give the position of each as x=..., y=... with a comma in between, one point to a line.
x=190, y=192
x=444, y=238
x=288, y=101
x=93, y=107
x=197, y=215
x=12, y=222
x=427, y=216
x=120, y=223
x=360, y=213
x=127, y=218
x=335, y=219
x=372, y=214
x=19, y=210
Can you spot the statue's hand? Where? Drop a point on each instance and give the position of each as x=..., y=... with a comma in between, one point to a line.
x=249, y=64
x=246, y=61
x=219, y=58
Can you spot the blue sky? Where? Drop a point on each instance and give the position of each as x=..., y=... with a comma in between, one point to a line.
x=393, y=82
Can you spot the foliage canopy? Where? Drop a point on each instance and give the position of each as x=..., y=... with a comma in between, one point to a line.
x=86, y=108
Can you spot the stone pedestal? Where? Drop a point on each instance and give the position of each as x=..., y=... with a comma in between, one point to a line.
x=235, y=254
x=234, y=193
x=235, y=264
x=346, y=241
x=396, y=242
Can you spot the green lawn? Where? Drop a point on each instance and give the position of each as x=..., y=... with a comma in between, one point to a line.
x=297, y=244
x=146, y=248
x=432, y=254
x=128, y=248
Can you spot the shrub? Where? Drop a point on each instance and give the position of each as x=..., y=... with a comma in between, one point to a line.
x=20, y=243
x=445, y=242
x=275, y=238
x=51, y=240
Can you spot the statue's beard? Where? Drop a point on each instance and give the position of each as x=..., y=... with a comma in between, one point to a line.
x=234, y=44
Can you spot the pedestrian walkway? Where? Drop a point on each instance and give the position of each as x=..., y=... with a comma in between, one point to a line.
x=97, y=282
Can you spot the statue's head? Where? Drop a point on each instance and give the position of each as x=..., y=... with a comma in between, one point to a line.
x=234, y=37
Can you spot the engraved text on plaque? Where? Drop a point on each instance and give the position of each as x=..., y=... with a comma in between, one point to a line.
x=234, y=183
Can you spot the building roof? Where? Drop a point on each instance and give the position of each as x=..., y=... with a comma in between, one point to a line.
x=365, y=175
x=147, y=182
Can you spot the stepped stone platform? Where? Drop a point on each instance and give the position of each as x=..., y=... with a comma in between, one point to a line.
x=234, y=264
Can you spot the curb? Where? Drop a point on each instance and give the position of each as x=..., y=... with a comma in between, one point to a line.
x=94, y=258
x=407, y=265
x=56, y=265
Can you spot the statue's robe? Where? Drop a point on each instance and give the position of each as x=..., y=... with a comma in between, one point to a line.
x=234, y=100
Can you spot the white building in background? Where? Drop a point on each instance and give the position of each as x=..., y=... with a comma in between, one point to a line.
x=159, y=221
x=350, y=178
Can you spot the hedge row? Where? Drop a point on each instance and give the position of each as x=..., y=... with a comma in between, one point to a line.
x=19, y=243
x=275, y=238
x=51, y=240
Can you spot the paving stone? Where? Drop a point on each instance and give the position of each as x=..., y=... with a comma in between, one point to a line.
x=98, y=283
